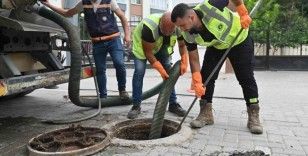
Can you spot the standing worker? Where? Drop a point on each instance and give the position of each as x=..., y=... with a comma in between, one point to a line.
x=105, y=36
x=213, y=25
x=153, y=40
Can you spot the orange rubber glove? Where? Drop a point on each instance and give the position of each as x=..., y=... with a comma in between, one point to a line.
x=184, y=63
x=198, y=85
x=157, y=65
x=244, y=16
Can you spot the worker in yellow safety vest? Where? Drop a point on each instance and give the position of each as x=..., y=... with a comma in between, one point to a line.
x=153, y=41
x=213, y=25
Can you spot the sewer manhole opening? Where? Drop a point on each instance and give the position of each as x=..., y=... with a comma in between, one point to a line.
x=139, y=129
x=71, y=140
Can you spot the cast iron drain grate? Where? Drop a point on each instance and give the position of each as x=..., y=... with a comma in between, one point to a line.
x=76, y=140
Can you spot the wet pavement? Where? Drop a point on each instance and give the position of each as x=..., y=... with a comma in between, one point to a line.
x=284, y=114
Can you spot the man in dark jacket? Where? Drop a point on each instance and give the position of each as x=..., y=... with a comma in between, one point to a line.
x=105, y=36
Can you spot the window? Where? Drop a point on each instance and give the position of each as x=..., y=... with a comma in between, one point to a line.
x=136, y=1
x=159, y=4
x=134, y=20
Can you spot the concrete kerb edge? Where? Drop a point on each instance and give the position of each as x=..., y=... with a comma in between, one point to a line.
x=184, y=134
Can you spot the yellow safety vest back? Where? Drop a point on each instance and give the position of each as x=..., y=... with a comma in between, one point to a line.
x=224, y=25
x=152, y=22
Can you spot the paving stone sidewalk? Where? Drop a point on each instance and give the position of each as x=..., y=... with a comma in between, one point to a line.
x=284, y=114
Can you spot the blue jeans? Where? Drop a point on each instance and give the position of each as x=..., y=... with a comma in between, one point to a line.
x=115, y=49
x=140, y=65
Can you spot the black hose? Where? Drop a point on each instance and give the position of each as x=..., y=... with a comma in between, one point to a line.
x=183, y=94
x=162, y=102
x=87, y=117
x=75, y=71
x=75, y=48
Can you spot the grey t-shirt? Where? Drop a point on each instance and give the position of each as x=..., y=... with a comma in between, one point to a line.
x=114, y=5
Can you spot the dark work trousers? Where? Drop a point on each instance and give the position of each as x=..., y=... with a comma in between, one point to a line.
x=242, y=60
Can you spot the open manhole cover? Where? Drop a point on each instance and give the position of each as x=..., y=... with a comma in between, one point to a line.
x=75, y=140
x=136, y=133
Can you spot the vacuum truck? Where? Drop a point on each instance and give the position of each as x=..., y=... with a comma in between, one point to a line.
x=32, y=50
x=32, y=38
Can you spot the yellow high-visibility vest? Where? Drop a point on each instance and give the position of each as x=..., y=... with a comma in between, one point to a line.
x=224, y=25
x=152, y=22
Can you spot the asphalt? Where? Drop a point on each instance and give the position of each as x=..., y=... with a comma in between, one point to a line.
x=284, y=115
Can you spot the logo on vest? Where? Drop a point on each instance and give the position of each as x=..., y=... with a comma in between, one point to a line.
x=172, y=42
x=220, y=26
x=104, y=18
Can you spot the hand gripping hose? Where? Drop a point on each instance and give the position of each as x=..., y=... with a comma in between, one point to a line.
x=252, y=13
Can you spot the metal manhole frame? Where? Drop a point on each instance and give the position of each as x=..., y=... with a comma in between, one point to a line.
x=84, y=151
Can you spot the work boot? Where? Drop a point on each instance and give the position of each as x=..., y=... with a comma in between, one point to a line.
x=205, y=116
x=177, y=109
x=253, y=123
x=123, y=95
x=134, y=112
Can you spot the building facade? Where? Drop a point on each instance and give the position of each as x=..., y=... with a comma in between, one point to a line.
x=136, y=10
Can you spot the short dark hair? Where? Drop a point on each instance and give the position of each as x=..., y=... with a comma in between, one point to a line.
x=179, y=11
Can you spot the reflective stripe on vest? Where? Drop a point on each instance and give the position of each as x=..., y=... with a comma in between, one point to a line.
x=224, y=25
x=155, y=32
x=102, y=22
x=253, y=100
x=212, y=14
x=97, y=6
x=153, y=23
